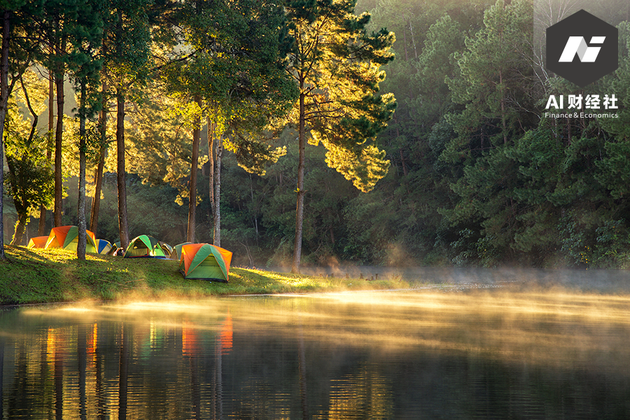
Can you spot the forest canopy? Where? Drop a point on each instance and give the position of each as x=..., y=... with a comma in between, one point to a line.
x=472, y=167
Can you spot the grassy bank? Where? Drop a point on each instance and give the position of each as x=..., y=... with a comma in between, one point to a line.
x=47, y=276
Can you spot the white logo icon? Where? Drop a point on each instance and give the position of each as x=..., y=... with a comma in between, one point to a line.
x=577, y=45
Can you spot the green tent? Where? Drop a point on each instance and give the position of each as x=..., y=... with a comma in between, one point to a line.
x=205, y=261
x=144, y=246
x=67, y=237
x=177, y=251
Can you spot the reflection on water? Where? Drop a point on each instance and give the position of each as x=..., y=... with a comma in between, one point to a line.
x=387, y=355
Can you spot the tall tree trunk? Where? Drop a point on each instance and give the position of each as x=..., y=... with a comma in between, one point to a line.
x=299, y=216
x=192, y=192
x=123, y=226
x=20, y=206
x=217, y=194
x=413, y=40
x=20, y=227
x=98, y=176
x=41, y=230
x=211, y=133
x=96, y=202
x=81, y=246
x=59, y=81
x=4, y=100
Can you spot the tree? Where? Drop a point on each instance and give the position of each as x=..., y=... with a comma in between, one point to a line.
x=51, y=125
x=30, y=178
x=496, y=85
x=15, y=57
x=404, y=205
x=126, y=57
x=235, y=76
x=102, y=154
x=613, y=170
x=57, y=26
x=86, y=42
x=158, y=140
x=4, y=102
x=335, y=64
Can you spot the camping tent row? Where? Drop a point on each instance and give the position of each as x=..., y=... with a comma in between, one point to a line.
x=67, y=237
x=196, y=260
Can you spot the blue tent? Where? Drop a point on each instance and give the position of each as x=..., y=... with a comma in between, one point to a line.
x=103, y=246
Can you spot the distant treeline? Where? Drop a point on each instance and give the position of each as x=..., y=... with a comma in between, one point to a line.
x=480, y=174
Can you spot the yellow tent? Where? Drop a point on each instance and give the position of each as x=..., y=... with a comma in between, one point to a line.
x=67, y=237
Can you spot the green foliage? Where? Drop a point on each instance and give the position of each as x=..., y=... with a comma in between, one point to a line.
x=29, y=179
x=339, y=84
x=612, y=242
x=127, y=36
x=152, y=211
x=577, y=240
x=496, y=78
x=159, y=143
x=233, y=66
x=468, y=170
x=259, y=213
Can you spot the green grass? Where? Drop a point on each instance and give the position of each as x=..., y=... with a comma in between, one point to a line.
x=47, y=276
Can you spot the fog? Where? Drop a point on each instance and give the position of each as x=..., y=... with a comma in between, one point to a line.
x=458, y=342
x=599, y=280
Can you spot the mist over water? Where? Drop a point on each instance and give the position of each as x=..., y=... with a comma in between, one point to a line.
x=463, y=344
x=603, y=281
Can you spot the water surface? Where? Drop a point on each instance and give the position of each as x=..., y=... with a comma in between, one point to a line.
x=486, y=354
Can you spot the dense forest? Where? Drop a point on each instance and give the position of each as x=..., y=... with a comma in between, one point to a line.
x=470, y=169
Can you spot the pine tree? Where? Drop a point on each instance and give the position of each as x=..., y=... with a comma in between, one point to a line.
x=86, y=42
x=232, y=72
x=495, y=87
x=30, y=174
x=335, y=63
x=126, y=58
x=18, y=17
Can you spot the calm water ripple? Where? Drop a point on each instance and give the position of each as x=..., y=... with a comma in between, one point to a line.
x=487, y=354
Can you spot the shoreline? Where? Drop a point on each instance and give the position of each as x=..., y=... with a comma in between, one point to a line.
x=38, y=276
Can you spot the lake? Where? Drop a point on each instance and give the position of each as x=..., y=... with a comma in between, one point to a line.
x=431, y=353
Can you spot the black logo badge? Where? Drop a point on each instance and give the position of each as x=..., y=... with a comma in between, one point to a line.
x=582, y=48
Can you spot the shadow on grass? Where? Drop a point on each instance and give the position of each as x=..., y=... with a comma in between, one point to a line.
x=24, y=254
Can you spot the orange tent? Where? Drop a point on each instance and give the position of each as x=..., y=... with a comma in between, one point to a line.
x=205, y=261
x=67, y=237
x=37, y=242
